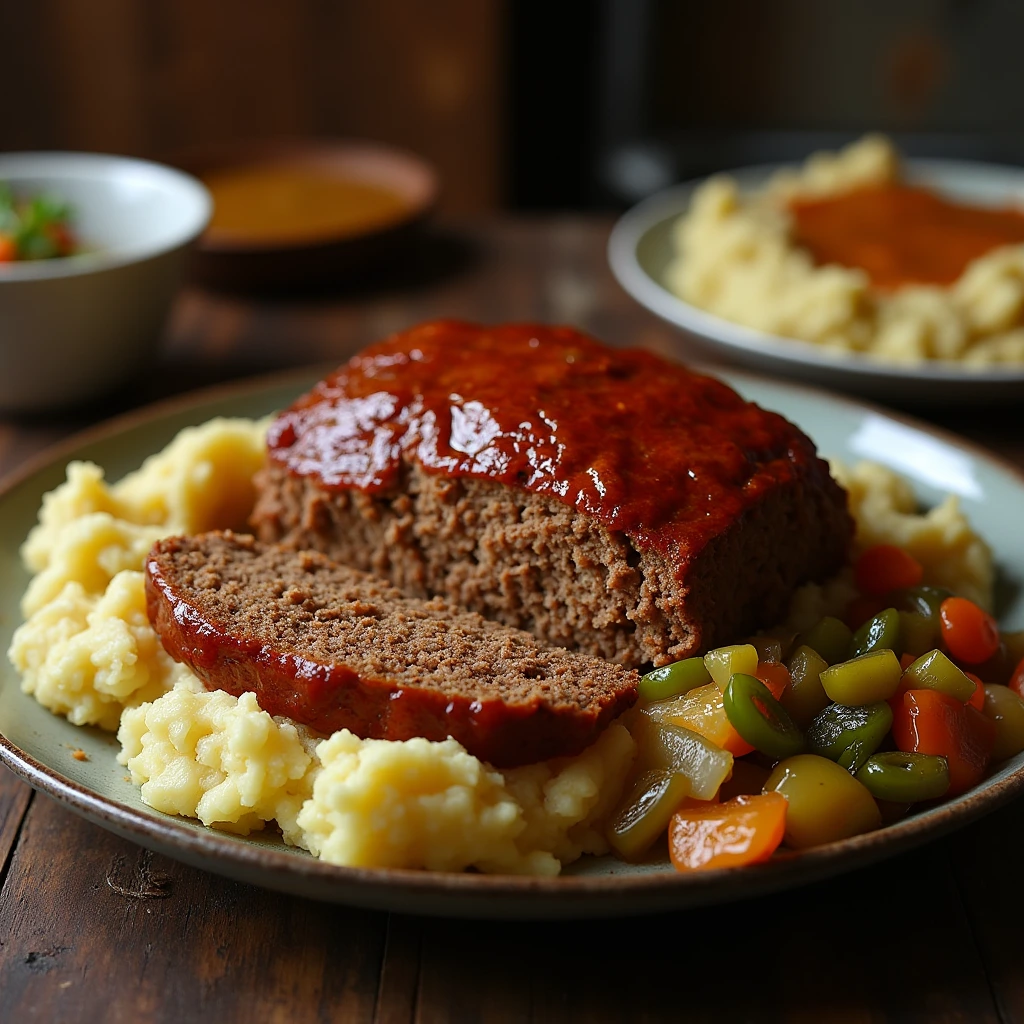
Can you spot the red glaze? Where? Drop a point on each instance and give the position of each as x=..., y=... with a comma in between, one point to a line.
x=328, y=697
x=645, y=446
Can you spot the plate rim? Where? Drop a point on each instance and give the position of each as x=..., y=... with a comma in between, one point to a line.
x=467, y=894
x=633, y=225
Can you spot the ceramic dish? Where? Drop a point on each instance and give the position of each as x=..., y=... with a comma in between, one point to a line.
x=74, y=328
x=640, y=249
x=225, y=261
x=38, y=746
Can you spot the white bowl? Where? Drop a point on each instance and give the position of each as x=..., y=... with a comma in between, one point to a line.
x=74, y=328
x=641, y=247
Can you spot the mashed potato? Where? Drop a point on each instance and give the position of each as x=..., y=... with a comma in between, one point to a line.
x=737, y=259
x=885, y=512
x=87, y=651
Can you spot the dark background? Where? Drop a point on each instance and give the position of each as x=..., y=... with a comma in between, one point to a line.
x=521, y=104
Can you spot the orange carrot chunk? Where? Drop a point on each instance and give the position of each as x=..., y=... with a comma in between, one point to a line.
x=930, y=722
x=970, y=633
x=744, y=830
x=886, y=567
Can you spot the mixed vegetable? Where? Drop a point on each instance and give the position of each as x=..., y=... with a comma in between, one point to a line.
x=840, y=729
x=34, y=229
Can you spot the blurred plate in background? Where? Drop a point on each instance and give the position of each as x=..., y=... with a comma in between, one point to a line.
x=641, y=248
x=290, y=212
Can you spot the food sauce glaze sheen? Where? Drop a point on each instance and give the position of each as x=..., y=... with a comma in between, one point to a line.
x=669, y=457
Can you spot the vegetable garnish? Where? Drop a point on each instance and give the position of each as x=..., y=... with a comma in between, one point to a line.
x=38, y=228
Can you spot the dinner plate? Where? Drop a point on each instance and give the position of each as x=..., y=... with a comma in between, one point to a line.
x=40, y=747
x=640, y=249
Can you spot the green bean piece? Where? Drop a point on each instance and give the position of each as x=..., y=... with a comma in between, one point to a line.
x=878, y=633
x=805, y=696
x=865, y=680
x=769, y=649
x=934, y=671
x=919, y=634
x=830, y=637
x=724, y=662
x=849, y=736
x=759, y=718
x=672, y=680
x=905, y=777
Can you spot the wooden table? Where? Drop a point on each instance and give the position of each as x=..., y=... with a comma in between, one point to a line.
x=93, y=928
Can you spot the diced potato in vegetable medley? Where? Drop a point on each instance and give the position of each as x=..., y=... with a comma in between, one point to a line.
x=804, y=739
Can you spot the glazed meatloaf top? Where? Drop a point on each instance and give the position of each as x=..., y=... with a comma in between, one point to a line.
x=606, y=500
x=669, y=457
x=332, y=647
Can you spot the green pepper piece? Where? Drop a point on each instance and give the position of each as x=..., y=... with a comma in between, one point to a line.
x=864, y=680
x=934, y=671
x=645, y=813
x=830, y=637
x=805, y=696
x=918, y=633
x=1014, y=640
x=905, y=777
x=672, y=680
x=849, y=736
x=759, y=718
x=879, y=633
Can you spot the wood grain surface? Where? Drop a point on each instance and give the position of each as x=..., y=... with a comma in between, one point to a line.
x=93, y=928
x=156, y=78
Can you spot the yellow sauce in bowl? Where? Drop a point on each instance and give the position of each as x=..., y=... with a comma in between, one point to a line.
x=291, y=204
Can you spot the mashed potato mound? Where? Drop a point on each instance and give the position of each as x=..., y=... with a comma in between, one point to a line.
x=221, y=759
x=88, y=656
x=736, y=257
x=941, y=539
x=415, y=804
x=885, y=511
x=87, y=651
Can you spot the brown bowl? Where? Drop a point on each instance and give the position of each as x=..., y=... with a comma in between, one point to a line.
x=228, y=261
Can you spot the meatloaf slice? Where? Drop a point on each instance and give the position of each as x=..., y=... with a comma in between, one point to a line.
x=605, y=500
x=333, y=647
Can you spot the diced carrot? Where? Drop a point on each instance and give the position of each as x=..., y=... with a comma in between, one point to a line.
x=886, y=567
x=906, y=660
x=1017, y=679
x=775, y=677
x=744, y=830
x=930, y=722
x=970, y=633
x=976, y=699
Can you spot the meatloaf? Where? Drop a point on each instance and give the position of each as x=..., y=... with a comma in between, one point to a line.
x=332, y=647
x=606, y=500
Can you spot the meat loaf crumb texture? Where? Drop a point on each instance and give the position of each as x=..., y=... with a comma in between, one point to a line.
x=333, y=647
x=655, y=515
